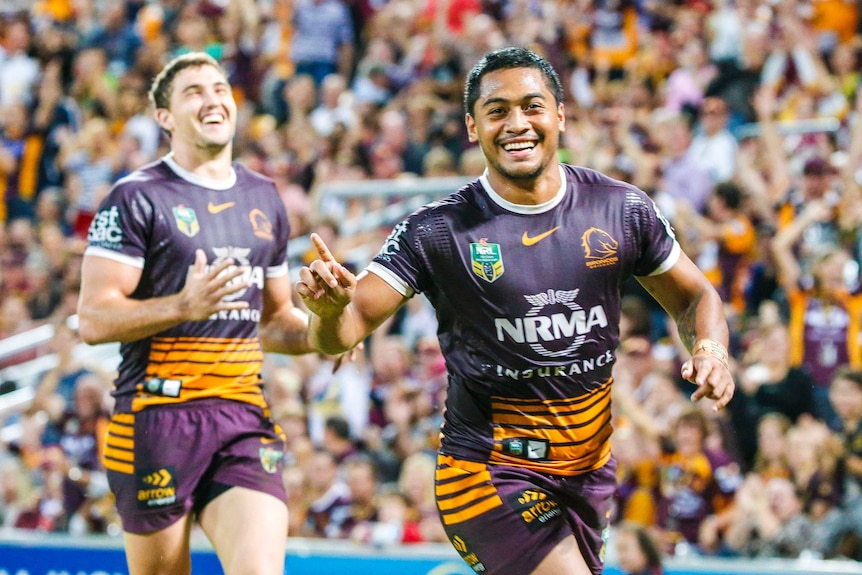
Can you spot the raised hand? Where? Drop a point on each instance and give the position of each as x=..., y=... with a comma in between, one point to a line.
x=712, y=378
x=325, y=286
x=205, y=291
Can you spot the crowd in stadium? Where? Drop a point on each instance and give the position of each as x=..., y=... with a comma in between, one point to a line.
x=741, y=119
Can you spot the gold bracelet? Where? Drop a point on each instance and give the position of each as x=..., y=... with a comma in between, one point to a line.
x=713, y=348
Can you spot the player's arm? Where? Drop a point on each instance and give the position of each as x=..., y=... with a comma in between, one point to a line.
x=692, y=302
x=283, y=326
x=344, y=309
x=107, y=312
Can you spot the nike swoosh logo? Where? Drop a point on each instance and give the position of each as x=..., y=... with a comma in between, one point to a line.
x=214, y=209
x=528, y=241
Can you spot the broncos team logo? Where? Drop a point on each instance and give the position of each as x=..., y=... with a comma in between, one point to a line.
x=600, y=249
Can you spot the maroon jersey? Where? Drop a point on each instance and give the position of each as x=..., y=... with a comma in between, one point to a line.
x=528, y=304
x=155, y=219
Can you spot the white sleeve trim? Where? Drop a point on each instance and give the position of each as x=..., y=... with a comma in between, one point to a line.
x=669, y=261
x=135, y=262
x=277, y=271
x=389, y=277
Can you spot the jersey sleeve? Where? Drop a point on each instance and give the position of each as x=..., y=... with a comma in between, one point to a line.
x=398, y=263
x=120, y=228
x=653, y=235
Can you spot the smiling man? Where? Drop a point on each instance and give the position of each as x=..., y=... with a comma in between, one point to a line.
x=186, y=267
x=524, y=267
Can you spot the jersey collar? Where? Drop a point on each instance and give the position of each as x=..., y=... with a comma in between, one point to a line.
x=201, y=181
x=522, y=208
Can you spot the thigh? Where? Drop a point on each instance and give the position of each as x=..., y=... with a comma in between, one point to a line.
x=248, y=530
x=501, y=520
x=163, y=552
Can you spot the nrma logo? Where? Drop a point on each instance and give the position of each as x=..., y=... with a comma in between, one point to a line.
x=250, y=274
x=567, y=327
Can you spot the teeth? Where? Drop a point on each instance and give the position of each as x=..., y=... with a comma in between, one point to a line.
x=519, y=146
x=212, y=118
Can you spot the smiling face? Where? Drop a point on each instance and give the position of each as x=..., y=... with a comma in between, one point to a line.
x=201, y=114
x=517, y=123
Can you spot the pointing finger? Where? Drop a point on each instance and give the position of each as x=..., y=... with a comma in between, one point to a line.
x=322, y=249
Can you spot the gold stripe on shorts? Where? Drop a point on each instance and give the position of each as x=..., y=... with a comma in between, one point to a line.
x=463, y=490
x=119, y=453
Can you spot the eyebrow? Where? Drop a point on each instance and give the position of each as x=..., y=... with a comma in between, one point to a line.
x=526, y=97
x=219, y=84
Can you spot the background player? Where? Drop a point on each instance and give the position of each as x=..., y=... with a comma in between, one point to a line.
x=524, y=268
x=186, y=259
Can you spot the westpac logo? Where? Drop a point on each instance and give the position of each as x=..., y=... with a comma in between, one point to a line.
x=555, y=325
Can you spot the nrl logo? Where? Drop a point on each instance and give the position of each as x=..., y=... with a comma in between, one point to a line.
x=187, y=220
x=269, y=459
x=487, y=262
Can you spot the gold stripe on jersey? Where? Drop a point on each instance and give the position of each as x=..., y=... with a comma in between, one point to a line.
x=463, y=490
x=119, y=452
x=227, y=368
x=577, y=431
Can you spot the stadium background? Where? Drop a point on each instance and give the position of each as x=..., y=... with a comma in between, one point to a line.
x=353, y=108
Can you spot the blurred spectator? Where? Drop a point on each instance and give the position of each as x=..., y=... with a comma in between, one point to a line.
x=363, y=481
x=334, y=107
x=724, y=241
x=824, y=333
x=329, y=498
x=323, y=41
x=94, y=87
x=636, y=551
x=687, y=484
x=296, y=485
x=92, y=161
x=19, y=71
x=116, y=36
x=336, y=439
x=18, y=495
x=769, y=383
x=17, y=175
x=637, y=475
x=769, y=520
x=713, y=147
x=682, y=177
x=770, y=459
x=813, y=455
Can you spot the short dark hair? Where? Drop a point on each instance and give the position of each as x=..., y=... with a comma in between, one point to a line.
x=339, y=426
x=506, y=59
x=163, y=84
x=730, y=193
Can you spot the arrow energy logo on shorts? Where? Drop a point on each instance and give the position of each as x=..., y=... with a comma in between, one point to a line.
x=156, y=488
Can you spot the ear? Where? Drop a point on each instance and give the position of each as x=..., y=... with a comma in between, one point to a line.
x=561, y=117
x=472, y=135
x=165, y=120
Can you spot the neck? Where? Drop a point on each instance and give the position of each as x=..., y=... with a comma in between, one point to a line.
x=528, y=192
x=213, y=165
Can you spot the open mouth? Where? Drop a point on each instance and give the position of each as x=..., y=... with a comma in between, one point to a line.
x=213, y=118
x=519, y=146
x=520, y=150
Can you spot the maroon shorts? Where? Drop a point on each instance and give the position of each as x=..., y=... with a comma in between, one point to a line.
x=505, y=519
x=167, y=461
